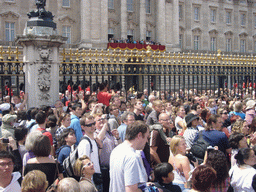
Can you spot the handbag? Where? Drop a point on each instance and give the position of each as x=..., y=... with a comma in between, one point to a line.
x=53, y=186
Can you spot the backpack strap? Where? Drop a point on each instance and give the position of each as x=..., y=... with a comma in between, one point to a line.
x=88, y=139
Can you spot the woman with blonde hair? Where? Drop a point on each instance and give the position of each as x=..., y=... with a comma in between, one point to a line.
x=34, y=181
x=84, y=169
x=212, y=106
x=240, y=126
x=180, y=162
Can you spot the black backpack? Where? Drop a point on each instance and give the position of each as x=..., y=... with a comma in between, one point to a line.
x=199, y=147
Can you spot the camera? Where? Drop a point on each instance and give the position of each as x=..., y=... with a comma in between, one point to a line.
x=5, y=140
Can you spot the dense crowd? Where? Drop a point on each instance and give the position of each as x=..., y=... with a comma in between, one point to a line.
x=143, y=42
x=162, y=141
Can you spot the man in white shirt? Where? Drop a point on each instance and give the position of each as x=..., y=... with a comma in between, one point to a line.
x=127, y=172
x=90, y=147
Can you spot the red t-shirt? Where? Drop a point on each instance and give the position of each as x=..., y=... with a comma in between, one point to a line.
x=48, y=134
x=104, y=97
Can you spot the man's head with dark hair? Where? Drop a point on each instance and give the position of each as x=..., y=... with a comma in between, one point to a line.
x=102, y=86
x=41, y=117
x=134, y=129
x=76, y=109
x=20, y=133
x=6, y=155
x=34, y=112
x=162, y=170
x=22, y=115
x=139, y=95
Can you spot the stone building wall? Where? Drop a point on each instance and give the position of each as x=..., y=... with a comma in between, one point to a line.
x=170, y=22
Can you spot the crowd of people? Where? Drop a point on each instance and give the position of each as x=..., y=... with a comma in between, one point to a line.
x=144, y=142
x=146, y=42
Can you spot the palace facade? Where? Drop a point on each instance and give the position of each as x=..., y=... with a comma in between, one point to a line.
x=180, y=25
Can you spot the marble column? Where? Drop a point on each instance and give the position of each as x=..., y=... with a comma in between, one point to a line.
x=143, y=19
x=123, y=19
x=85, y=24
x=160, y=22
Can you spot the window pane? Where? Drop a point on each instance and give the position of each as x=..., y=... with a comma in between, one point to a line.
x=196, y=13
x=213, y=44
x=148, y=6
x=9, y=31
x=213, y=15
x=181, y=41
x=228, y=45
x=196, y=42
x=66, y=32
x=180, y=11
x=65, y=3
x=129, y=5
x=111, y=4
x=228, y=17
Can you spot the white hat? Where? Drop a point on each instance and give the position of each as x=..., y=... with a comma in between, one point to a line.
x=5, y=107
x=250, y=104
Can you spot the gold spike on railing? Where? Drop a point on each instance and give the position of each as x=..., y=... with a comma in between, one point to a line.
x=17, y=53
x=131, y=55
x=77, y=55
x=70, y=55
x=96, y=55
x=83, y=54
x=90, y=55
x=9, y=52
x=1, y=53
x=120, y=56
x=102, y=56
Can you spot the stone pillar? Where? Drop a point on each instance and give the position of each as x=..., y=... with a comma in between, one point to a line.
x=160, y=21
x=85, y=24
x=142, y=20
x=123, y=19
x=175, y=27
x=104, y=23
x=41, y=59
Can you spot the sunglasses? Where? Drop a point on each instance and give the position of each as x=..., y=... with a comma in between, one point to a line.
x=88, y=164
x=89, y=125
x=225, y=113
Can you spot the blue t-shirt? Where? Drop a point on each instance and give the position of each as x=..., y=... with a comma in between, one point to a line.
x=64, y=153
x=242, y=115
x=216, y=138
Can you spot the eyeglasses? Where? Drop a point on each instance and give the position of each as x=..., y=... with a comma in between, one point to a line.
x=9, y=164
x=225, y=113
x=89, y=125
x=101, y=119
x=165, y=119
x=88, y=164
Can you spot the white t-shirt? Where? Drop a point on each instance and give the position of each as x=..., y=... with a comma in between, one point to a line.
x=14, y=185
x=85, y=149
x=241, y=178
x=126, y=168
